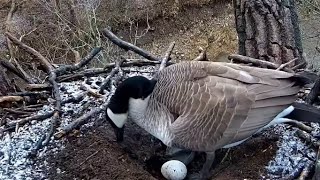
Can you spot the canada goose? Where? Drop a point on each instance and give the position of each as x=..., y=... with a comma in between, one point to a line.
x=204, y=106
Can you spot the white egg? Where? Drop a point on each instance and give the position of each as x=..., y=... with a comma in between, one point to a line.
x=174, y=170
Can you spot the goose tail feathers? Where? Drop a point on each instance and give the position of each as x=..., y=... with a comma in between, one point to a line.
x=304, y=112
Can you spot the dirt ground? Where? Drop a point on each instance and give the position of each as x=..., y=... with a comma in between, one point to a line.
x=95, y=155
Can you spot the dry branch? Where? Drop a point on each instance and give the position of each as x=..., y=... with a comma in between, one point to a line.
x=31, y=51
x=257, y=62
x=16, y=111
x=112, y=73
x=316, y=175
x=128, y=46
x=69, y=68
x=166, y=57
x=80, y=121
x=13, y=69
x=52, y=79
x=11, y=99
x=106, y=69
x=313, y=95
x=38, y=87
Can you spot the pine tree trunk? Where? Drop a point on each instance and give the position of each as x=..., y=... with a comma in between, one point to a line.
x=269, y=30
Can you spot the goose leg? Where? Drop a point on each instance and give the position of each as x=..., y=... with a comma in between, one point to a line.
x=204, y=173
x=184, y=156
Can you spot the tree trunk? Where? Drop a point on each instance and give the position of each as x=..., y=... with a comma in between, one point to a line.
x=269, y=30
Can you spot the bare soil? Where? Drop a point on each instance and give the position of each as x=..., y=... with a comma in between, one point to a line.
x=93, y=154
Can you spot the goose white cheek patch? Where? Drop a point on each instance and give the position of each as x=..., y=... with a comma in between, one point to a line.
x=118, y=119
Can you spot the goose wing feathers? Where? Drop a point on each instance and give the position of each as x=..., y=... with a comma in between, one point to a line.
x=220, y=103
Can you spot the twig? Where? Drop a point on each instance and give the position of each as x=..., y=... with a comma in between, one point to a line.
x=69, y=68
x=13, y=8
x=13, y=69
x=202, y=55
x=80, y=121
x=31, y=51
x=305, y=172
x=11, y=125
x=256, y=62
x=38, y=87
x=316, y=175
x=41, y=117
x=313, y=95
x=112, y=73
x=166, y=56
x=39, y=94
x=128, y=46
x=52, y=79
x=16, y=111
x=11, y=99
x=308, y=138
x=106, y=69
x=286, y=64
x=87, y=158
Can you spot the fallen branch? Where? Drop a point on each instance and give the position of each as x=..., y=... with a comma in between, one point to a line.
x=112, y=73
x=106, y=69
x=313, y=95
x=286, y=64
x=52, y=79
x=307, y=138
x=69, y=68
x=38, y=87
x=31, y=51
x=8, y=65
x=16, y=111
x=257, y=62
x=74, y=99
x=128, y=46
x=80, y=121
x=11, y=99
x=316, y=175
x=166, y=57
x=12, y=124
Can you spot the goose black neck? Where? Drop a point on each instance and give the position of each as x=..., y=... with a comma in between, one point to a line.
x=119, y=102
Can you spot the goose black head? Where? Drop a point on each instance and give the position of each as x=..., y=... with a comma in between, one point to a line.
x=138, y=88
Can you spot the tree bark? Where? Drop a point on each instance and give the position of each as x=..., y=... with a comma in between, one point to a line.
x=269, y=30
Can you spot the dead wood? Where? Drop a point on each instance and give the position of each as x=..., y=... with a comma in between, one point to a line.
x=202, y=55
x=269, y=30
x=52, y=79
x=112, y=73
x=8, y=65
x=13, y=111
x=31, y=51
x=11, y=125
x=80, y=121
x=38, y=87
x=10, y=99
x=257, y=62
x=128, y=46
x=107, y=69
x=313, y=95
x=69, y=68
x=42, y=94
x=166, y=57
x=307, y=138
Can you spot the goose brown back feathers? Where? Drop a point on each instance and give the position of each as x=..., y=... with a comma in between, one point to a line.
x=221, y=103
